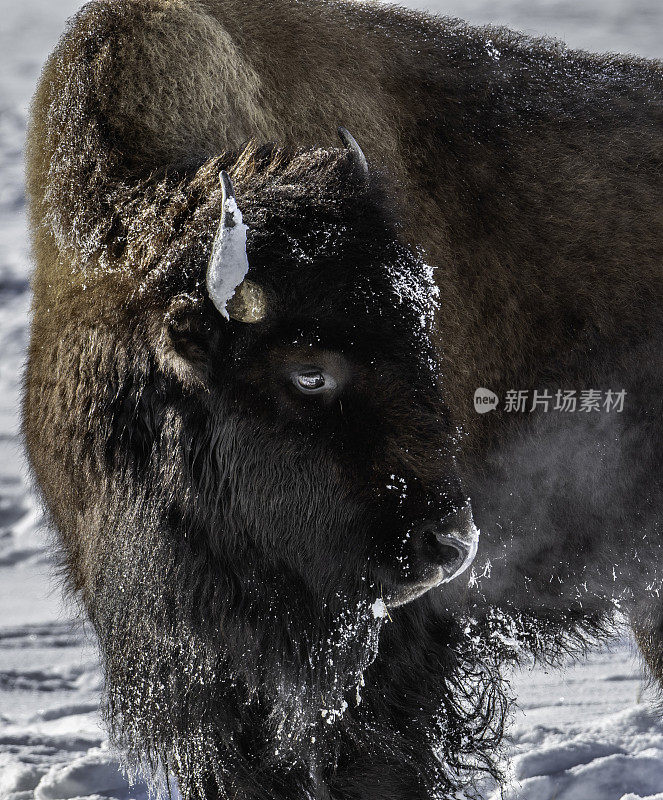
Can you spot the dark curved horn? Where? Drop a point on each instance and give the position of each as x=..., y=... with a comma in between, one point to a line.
x=228, y=191
x=228, y=263
x=351, y=143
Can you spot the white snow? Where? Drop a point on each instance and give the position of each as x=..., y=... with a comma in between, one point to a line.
x=379, y=609
x=228, y=265
x=97, y=768
x=588, y=731
x=331, y=715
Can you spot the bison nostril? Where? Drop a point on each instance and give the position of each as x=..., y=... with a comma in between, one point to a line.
x=449, y=544
x=442, y=550
x=435, y=552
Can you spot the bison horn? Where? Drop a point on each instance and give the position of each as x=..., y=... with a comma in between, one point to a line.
x=233, y=295
x=351, y=143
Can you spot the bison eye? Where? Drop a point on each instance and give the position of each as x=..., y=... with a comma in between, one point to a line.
x=313, y=381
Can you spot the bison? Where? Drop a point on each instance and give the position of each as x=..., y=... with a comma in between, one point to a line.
x=249, y=394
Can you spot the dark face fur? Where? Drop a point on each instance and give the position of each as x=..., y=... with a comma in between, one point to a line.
x=322, y=443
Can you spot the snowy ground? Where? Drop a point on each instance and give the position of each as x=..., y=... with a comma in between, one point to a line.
x=587, y=732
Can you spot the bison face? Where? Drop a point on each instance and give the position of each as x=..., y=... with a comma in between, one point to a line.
x=317, y=444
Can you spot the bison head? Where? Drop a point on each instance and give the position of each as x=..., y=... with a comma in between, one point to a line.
x=331, y=452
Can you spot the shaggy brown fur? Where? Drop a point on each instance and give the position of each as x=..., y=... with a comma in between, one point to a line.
x=531, y=176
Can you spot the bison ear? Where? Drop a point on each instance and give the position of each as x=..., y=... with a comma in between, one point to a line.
x=186, y=330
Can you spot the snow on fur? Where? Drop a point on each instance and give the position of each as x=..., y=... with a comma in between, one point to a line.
x=228, y=264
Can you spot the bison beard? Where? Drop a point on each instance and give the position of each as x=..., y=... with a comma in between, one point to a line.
x=263, y=700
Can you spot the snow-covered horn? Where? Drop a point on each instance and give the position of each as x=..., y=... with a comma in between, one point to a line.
x=233, y=295
x=351, y=143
